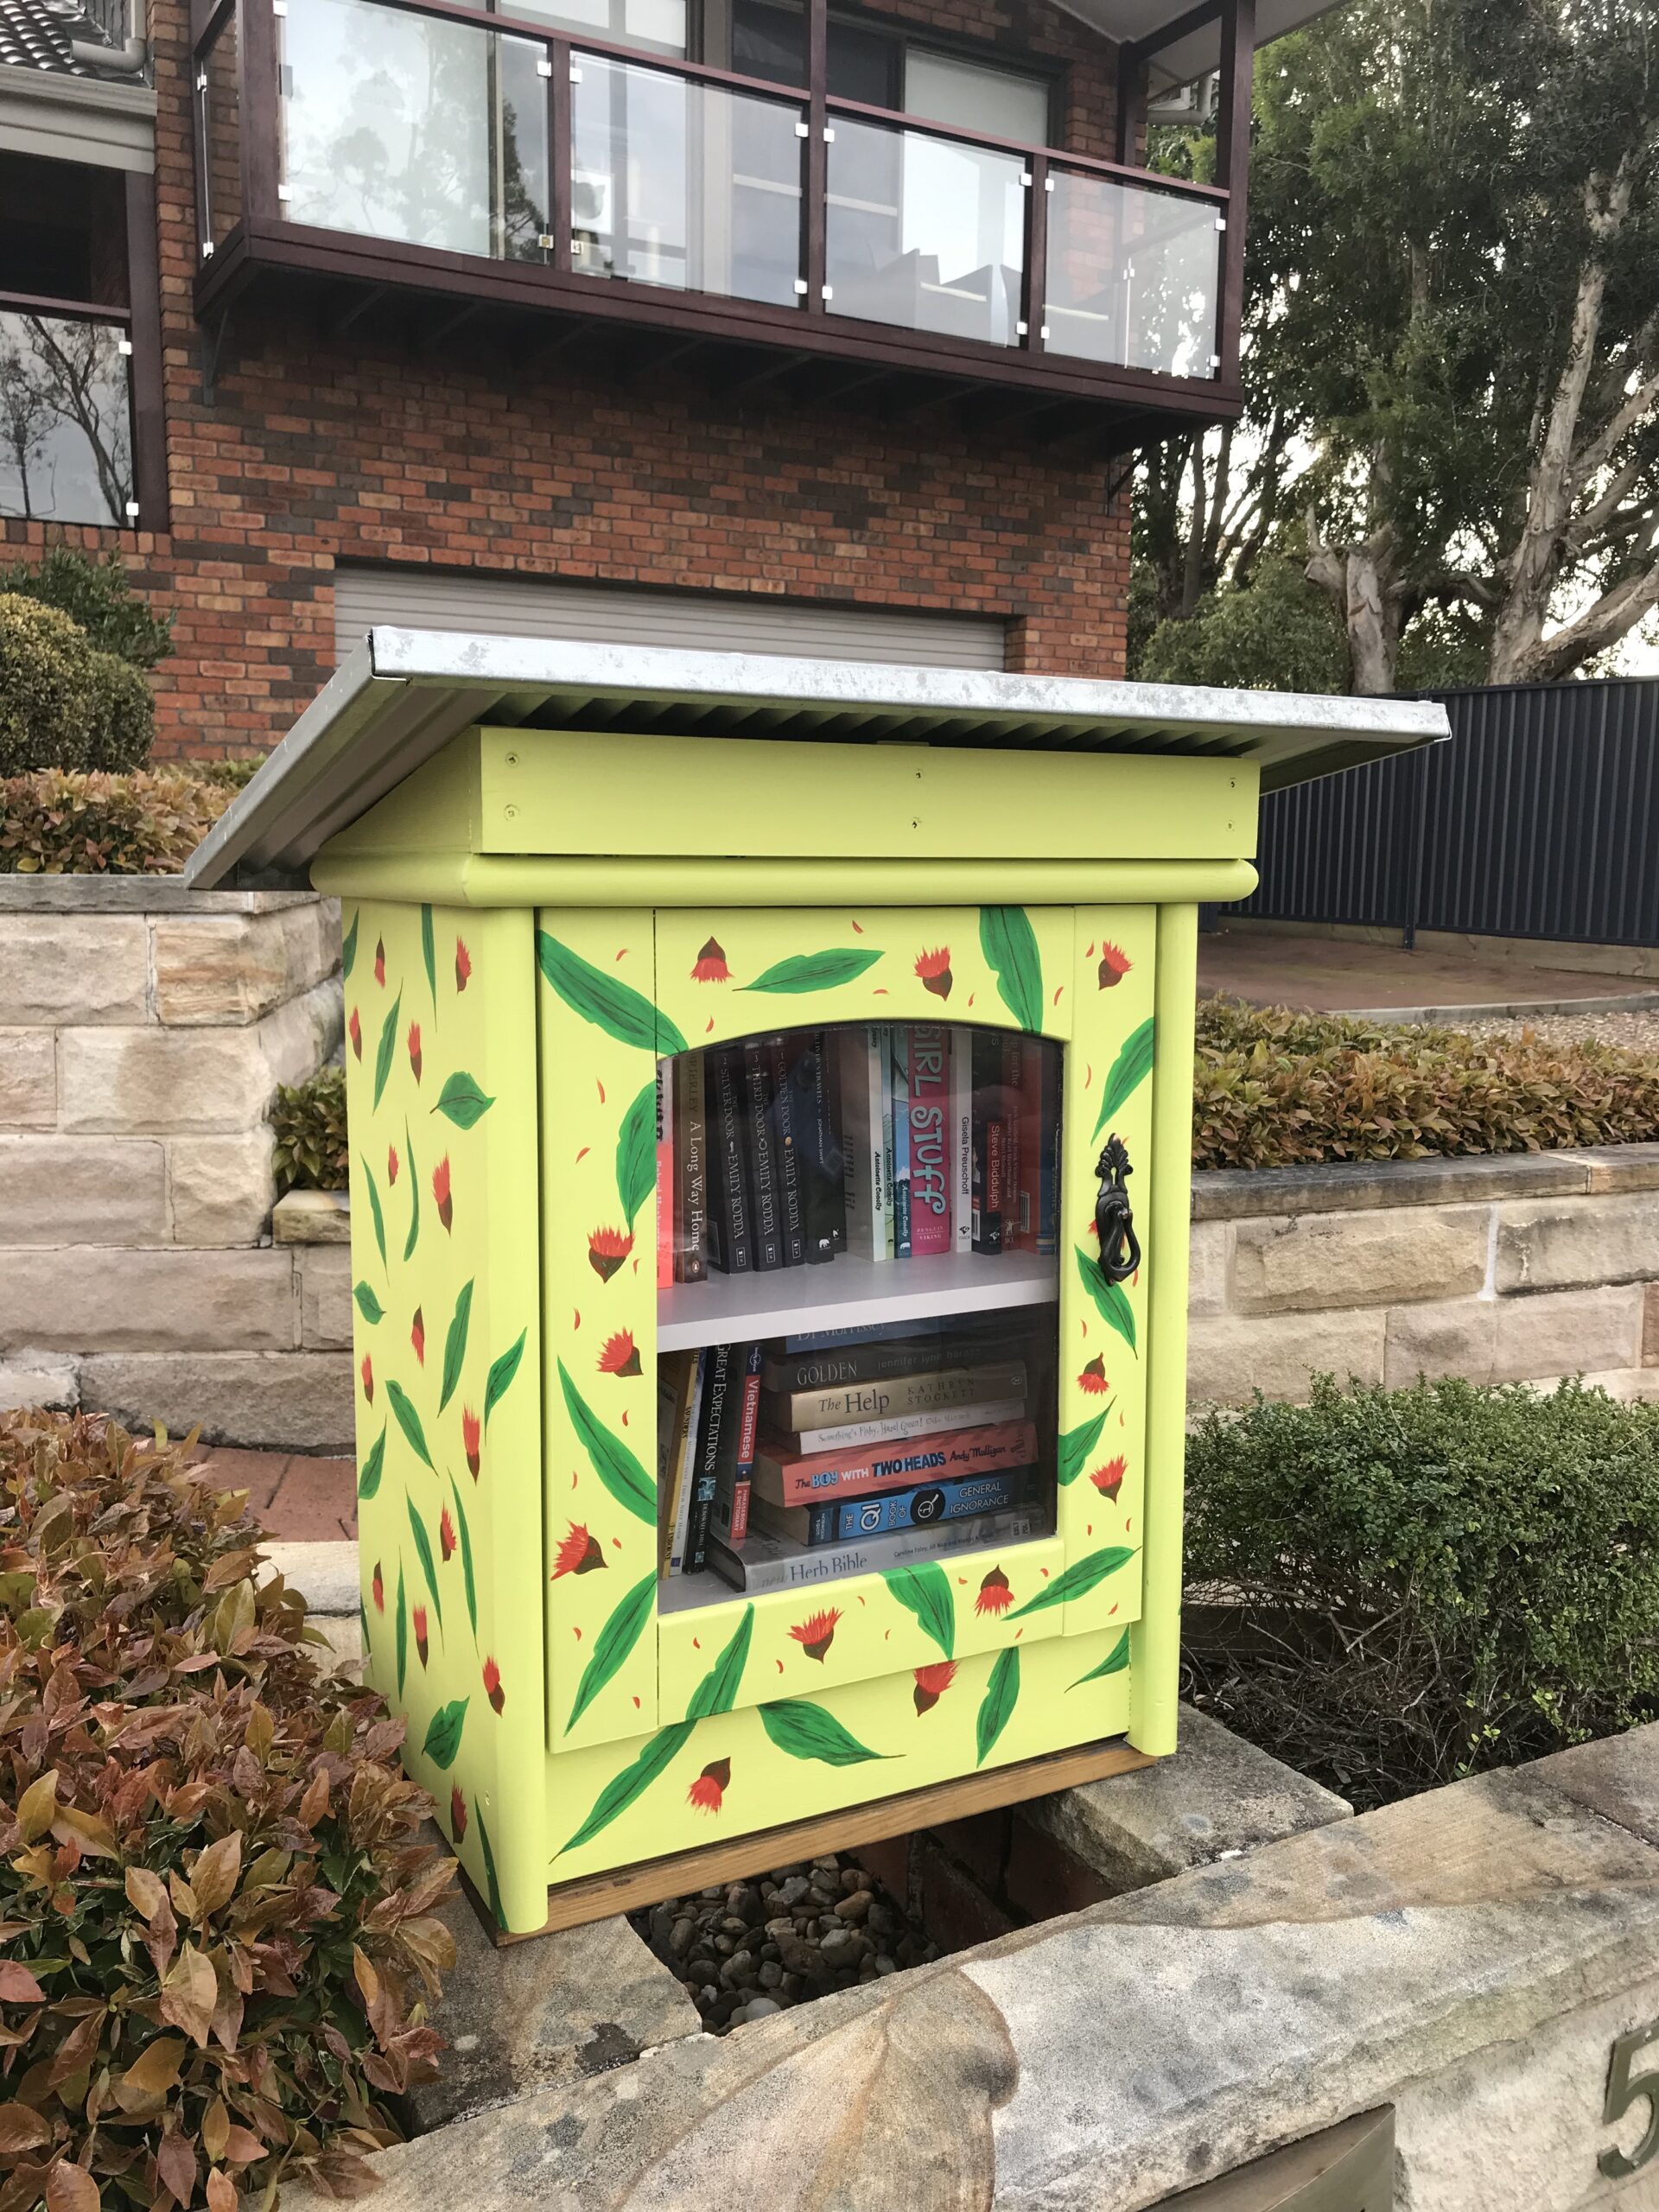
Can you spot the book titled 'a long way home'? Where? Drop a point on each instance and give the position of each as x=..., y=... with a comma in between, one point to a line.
x=954, y=1454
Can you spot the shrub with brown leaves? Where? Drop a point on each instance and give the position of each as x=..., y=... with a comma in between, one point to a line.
x=217, y=1944
x=146, y=824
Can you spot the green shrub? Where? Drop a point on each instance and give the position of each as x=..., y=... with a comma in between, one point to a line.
x=123, y=722
x=1422, y=1583
x=1274, y=1089
x=308, y=1122
x=219, y=1947
x=54, y=824
x=63, y=704
x=97, y=595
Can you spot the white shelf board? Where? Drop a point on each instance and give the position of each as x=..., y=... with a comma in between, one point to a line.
x=849, y=1293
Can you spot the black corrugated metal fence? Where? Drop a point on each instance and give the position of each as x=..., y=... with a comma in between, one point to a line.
x=1539, y=817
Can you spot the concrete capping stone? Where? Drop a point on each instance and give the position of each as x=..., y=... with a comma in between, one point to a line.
x=311, y=1217
x=135, y=895
x=269, y=1400
x=1355, y=1187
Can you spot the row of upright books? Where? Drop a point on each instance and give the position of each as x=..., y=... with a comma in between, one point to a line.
x=884, y=1140
x=801, y=1459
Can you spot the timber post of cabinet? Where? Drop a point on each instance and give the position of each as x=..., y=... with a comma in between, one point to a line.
x=625, y=1012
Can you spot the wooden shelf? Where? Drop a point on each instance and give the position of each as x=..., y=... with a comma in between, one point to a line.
x=848, y=1293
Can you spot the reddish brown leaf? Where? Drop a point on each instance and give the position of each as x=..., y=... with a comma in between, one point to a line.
x=17, y=1985
x=175, y=2162
x=70, y=2189
x=214, y=1876
x=146, y=1892
x=189, y=1997
x=221, y=2192
x=22, y=2129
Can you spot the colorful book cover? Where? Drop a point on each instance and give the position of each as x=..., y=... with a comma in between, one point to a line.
x=990, y=1145
x=666, y=1174
x=771, y=1563
x=730, y=1238
x=898, y=1108
x=961, y=1139
x=691, y=1180
x=937, y=1458
x=1048, y=1179
x=929, y=1110
x=863, y=1091
x=730, y=1522
x=855, y=1435
x=788, y=1413
x=842, y=1520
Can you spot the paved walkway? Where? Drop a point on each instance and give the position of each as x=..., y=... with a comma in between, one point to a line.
x=1331, y=976
x=298, y=1499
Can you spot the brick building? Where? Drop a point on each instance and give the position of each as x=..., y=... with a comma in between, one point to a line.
x=327, y=311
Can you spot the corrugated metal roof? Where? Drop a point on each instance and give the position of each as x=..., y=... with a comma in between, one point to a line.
x=403, y=694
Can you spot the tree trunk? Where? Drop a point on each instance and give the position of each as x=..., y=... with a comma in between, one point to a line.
x=1361, y=580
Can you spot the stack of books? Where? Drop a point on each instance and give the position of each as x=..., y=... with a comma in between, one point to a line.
x=884, y=1140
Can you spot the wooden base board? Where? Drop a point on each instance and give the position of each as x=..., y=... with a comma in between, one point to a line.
x=625, y=1889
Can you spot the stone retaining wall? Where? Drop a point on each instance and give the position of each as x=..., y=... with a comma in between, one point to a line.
x=142, y=1034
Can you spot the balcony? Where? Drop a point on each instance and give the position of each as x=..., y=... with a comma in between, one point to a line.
x=382, y=148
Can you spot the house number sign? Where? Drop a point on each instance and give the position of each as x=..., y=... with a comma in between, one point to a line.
x=1626, y=2086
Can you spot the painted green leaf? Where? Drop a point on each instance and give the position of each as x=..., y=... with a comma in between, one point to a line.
x=1001, y=1693
x=1007, y=939
x=1130, y=1068
x=348, y=946
x=1076, y=1445
x=466, y=1535
x=443, y=1732
x=926, y=1592
x=429, y=955
x=461, y=1100
x=615, y=1465
x=368, y=1480
x=1114, y=1663
x=815, y=971
x=423, y=1553
x=388, y=1044
x=1077, y=1581
x=806, y=1731
x=368, y=1304
x=620, y=1791
x=636, y=1153
x=717, y=1691
x=606, y=1001
x=501, y=1374
x=454, y=1344
x=1110, y=1297
x=375, y=1214
x=363, y=1624
x=403, y=1627
x=409, y=1420
x=490, y=1875
x=613, y=1642
x=413, y=1195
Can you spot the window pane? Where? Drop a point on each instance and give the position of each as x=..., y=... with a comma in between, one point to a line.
x=685, y=184
x=771, y=42
x=1132, y=277
x=999, y=102
x=926, y=233
x=65, y=435
x=658, y=26
x=220, y=124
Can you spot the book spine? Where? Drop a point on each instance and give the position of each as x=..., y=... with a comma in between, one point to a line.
x=842, y=1522
x=989, y=1136
x=820, y=1159
x=855, y=1435
x=747, y=1428
x=961, y=1139
x=713, y=1435
x=837, y=1365
x=928, y=1109
x=927, y=1459
x=881, y=1076
x=792, y=1413
x=787, y=1123
x=1048, y=1178
x=685, y=1465
x=730, y=1236
x=691, y=1179
x=835, y=1136
x=898, y=1112
x=665, y=1174
x=862, y=1091
x=762, y=1148
x=760, y=1574
x=1019, y=1173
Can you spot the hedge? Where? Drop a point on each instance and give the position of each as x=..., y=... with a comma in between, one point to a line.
x=56, y=823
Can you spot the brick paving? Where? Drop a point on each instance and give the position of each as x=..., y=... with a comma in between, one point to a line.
x=299, y=1499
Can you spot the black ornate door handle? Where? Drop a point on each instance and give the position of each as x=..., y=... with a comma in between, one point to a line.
x=1120, y=1248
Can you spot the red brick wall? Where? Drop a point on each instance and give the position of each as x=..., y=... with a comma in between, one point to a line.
x=315, y=452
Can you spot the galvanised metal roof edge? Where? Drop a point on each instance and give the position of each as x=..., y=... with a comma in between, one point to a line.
x=403, y=694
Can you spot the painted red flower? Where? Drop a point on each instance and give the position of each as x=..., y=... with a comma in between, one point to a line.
x=463, y=963
x=1093, y=1377
x=493, y=1688
x=995, y=1595
x=620, y=1355
x=707, y=1791
x=1114, y=966
x=415, y=1048
x=932, y=1683
x=380, y=961
x=1109, y=1479
x=579, y=1553
x=607, y=1249
x=441, y=1191
x=391, y=1163
x=354, y=1031
x=816, y=1635
x=418, y=1619
x=377, y=1589
x=710, y=966
x=417, y=1335
x=934, y=969
x=457, y=1812
x=446, y=1534
x=469, y=1437
x=367, y=1372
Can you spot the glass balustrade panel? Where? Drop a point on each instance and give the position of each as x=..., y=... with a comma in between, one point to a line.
x=1132, y=276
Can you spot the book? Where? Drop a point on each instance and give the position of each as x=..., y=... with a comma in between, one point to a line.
x=854, y=1435
x=867, y=1362
x=928, y=1114
x=684, y=1473
x=870, y=1333
x=676, y=1372
x=863, y=1096
x=934, y=1458
x=666, y=1174
x=789, y=1412
x=1051, y=1121
x=691, y=1180
x=841, y=1521
x=761, y=1143
x=716, y=1428
x=1019, y=1080
x=788, y=1119
x=990, y=1144
x=898, y=1110
x=729, y=1521
x=834, y=1137
x=812, y=1075
x=767, y=1563
x=730, y=1239
x=961, y=1139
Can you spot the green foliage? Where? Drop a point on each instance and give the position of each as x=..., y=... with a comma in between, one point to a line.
x=308, y=1120
x=54, y=823
x=1274, y=633
x=1417, y=1583
x=63, y=704
x=97, y=595
x=1276, y=1089
x=219, y=1945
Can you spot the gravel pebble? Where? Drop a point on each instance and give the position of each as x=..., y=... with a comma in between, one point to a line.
x=1632, y=1033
